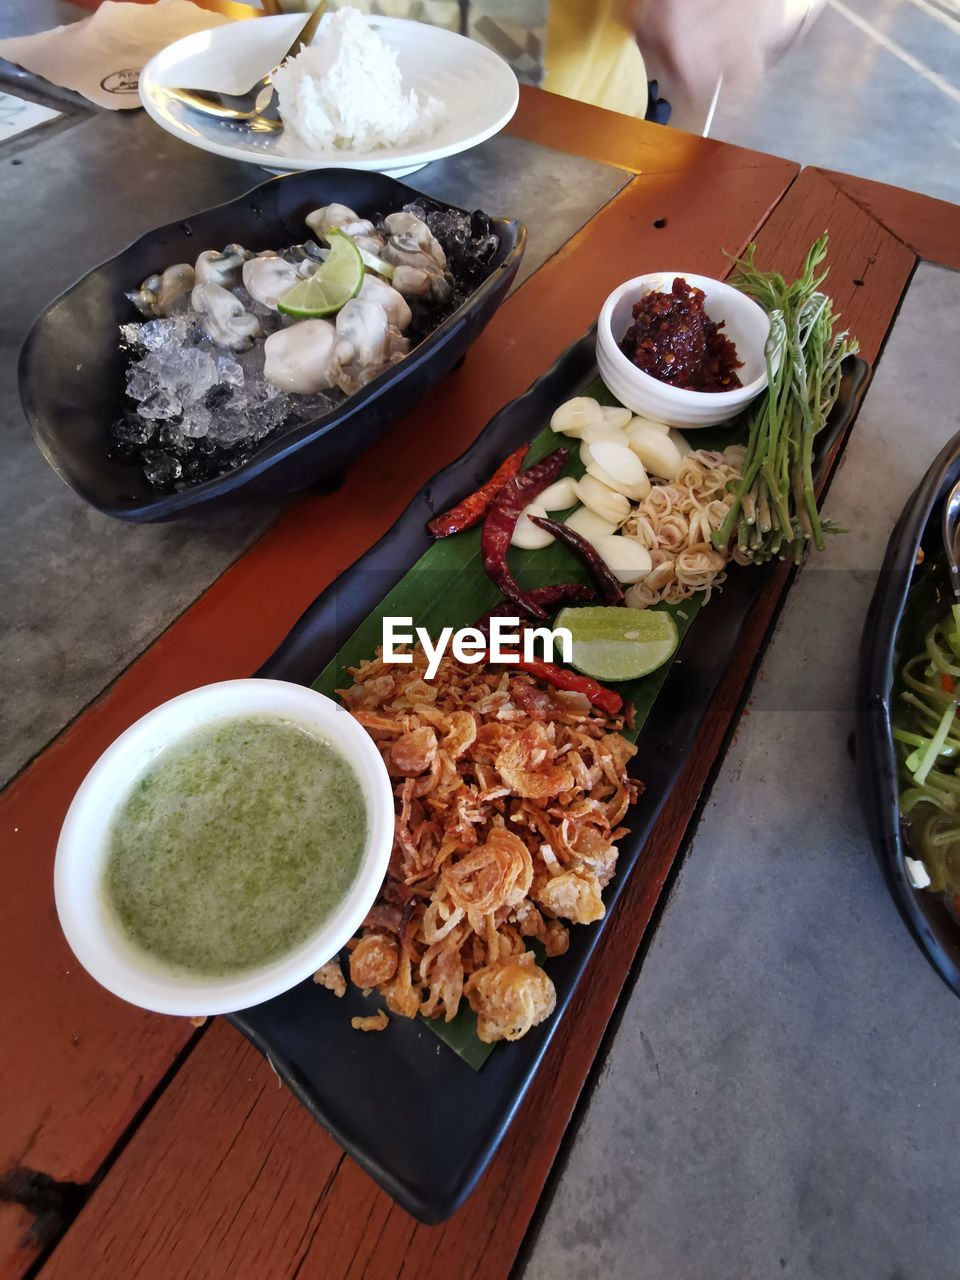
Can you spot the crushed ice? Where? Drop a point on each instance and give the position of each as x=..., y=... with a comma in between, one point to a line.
x=197, y=411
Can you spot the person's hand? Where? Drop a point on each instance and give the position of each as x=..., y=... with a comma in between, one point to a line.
x=695, y=42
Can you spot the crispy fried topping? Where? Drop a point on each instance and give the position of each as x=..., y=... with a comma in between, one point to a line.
x=329, y=975
x=508, y=799
x=375, y=1022
x=509, y=997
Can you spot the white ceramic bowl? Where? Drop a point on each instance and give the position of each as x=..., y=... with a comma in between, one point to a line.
x=90, y=929
x=746, y=324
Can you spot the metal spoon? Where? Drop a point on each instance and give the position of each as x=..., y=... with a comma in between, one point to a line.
x=248, y=107
x=257, y=122
x=951, y=526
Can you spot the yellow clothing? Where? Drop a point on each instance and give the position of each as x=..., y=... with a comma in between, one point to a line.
x=581, y=49
x=592, y=55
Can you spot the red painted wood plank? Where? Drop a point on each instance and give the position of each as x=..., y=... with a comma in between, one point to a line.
x=626, y=141
x=929, y=228
x=864, y=258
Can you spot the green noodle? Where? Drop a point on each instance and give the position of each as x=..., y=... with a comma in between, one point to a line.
x=927, y=741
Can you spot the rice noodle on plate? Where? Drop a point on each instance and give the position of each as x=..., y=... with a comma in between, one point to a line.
x=676, y=522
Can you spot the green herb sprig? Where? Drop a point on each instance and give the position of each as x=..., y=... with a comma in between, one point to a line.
x=774, y=513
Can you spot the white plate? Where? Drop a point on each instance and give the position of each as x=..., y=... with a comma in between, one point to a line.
x=478, y=90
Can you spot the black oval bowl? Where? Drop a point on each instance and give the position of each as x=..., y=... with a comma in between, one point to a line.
x=880, y=653
x=71, y=370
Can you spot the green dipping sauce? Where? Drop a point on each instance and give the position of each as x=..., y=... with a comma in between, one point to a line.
x=234, y=845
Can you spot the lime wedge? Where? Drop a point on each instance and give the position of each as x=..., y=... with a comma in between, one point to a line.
x=611, y=643
x=335, y=282
x=379, y=265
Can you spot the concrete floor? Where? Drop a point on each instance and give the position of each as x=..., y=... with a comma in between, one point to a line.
x=781, y=1097
x=873, y=89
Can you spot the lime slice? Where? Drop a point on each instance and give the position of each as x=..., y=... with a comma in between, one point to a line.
x=611, y=643
x=379, y=265
x=336, y=281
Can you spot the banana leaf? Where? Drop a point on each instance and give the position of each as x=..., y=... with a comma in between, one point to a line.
x=447, y=587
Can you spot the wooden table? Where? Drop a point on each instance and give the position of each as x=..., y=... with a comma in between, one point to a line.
x=139, y=1146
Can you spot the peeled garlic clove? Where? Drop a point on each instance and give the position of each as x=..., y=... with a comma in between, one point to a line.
x=601, y=431
x=594, y=435
x=575, y=414
x=589, y=525
x=634, y=492
x=603, y=500
x=656, y=451
x=626, y=559
x=683, y=447
x=615, y=416
x=625, y=470
x=559, y=495
x=526, y=534
x=639, y=420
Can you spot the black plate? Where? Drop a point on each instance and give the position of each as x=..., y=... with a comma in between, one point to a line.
x=71, y=371
x=411, y=1112
x=918, y=527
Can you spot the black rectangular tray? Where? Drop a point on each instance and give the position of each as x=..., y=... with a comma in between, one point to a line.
x=421, y=1121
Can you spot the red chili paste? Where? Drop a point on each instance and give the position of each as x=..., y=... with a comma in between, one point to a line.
x=673, y=339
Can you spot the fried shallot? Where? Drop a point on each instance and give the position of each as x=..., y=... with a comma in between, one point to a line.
x=508, y=801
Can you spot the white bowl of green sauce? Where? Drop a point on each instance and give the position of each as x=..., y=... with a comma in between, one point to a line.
x=224, y=847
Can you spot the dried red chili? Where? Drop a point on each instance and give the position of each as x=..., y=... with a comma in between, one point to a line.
x=607, y=700
x=501, y=520
x=674, y=340
x=610, y=589
x=476, y=505
x=546, y=597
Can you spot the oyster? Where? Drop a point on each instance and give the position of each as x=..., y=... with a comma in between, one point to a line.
x=268, y=277
x=306, y=357
x=222, y=268
x=158, y=293
x=225, y=319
